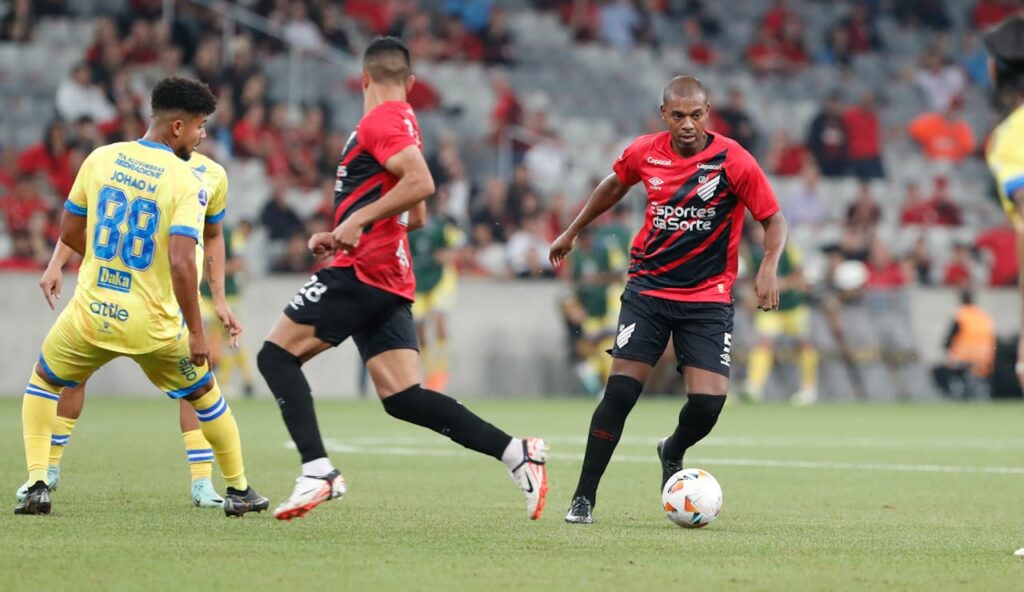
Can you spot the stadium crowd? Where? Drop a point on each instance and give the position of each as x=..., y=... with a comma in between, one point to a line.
x=509, y=217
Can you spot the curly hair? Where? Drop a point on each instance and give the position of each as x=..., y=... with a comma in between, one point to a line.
x=182, y=94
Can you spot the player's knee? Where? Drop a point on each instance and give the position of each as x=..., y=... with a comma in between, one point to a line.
x=272, y=357
x=705, y=407
x=622, y=392
x=406, y=403
x=199, y=392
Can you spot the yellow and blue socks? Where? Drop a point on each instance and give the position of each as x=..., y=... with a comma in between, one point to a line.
x=199, y=454
x=38, y=415
x=62, y=429
x=220, y=430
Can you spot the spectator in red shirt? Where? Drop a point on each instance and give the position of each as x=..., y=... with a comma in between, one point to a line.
x=774, y=20
x=864, y=212
x=865, y=142
x=885, y=272
x=699, y=51
x=943, y=211
x=507, y=110
x=861, y=29
x=915, y=206
x=19, y=206
x=999, y=245
x=987, y=13
x=792, y=47
x=785, y=157
x=376, y=15
x=763, y=53
x=49, y=157
x=248, y=132
x=8, y=170
x=958, y=269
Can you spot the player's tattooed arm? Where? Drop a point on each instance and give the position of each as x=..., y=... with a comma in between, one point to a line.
x=766, y=283
x=608, y=193
x=214, y=269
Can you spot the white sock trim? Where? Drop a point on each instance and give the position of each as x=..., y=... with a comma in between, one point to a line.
x=513, y=455
x=317, y=467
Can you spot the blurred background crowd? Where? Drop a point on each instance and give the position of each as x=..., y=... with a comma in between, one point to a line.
x=870, y=116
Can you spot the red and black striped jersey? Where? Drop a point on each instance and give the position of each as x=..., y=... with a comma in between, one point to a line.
x=382, y=258
x=689, y=246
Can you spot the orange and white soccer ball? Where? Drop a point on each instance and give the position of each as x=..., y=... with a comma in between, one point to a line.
x=692, y=498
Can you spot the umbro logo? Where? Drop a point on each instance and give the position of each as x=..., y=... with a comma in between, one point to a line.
x=707, y=190
x=655, y=183
x=625, y=333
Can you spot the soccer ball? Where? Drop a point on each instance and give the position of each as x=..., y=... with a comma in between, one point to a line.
x=692, y=498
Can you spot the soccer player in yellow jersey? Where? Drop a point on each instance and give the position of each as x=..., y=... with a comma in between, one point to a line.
x=1005, y=154
x=136, y=213
x=212, y=260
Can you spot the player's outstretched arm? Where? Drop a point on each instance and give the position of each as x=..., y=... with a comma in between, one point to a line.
x=185, y=280
x=415, y=184
x=214, y=265
x=608, y=193
x=53, y=277
x=766, y=284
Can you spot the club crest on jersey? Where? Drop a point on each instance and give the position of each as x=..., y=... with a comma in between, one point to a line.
x=199, y=171
x=707, y=190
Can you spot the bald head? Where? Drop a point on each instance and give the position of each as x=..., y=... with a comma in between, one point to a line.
x=684, y=87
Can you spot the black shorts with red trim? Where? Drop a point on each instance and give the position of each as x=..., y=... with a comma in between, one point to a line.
x=701, y=332
x=340, y=306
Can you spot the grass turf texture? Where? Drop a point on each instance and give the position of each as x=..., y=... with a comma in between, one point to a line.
x=804, y=509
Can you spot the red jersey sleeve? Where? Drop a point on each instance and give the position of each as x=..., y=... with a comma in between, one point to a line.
x=386, y=132
x=752, y=187
x=627, y=165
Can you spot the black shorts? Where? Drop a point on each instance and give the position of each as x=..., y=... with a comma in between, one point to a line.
x=340, y=306
x=701, y=332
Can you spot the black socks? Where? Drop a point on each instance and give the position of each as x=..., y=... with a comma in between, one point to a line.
x=620, y=396
x=283, y=373
x=696, y=419
x=447, y=417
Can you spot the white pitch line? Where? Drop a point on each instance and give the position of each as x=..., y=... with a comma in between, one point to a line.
x=340, y=447
x=750, y=442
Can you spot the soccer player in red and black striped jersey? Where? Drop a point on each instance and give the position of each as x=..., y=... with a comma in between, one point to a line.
x=366, y=293
x=682, y=266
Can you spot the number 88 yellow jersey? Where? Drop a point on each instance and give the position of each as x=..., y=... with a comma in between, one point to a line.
x=135, y=196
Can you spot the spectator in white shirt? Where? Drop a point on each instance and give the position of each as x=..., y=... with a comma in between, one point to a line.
x=78, y=97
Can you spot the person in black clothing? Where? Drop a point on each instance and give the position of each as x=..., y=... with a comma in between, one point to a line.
x=827, y=139
x=279, y=218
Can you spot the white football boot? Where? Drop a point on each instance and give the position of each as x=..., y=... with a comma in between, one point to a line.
x=309, y=493
x=531, y=475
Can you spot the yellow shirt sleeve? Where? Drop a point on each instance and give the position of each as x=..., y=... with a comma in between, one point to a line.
x=217, y=208
x=189, y=212
x=77, y=202
x=1006, y=161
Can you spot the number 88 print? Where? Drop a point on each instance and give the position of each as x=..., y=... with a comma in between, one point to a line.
x=143, y=218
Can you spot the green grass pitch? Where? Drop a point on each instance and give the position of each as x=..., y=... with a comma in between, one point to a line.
x=885, y=497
